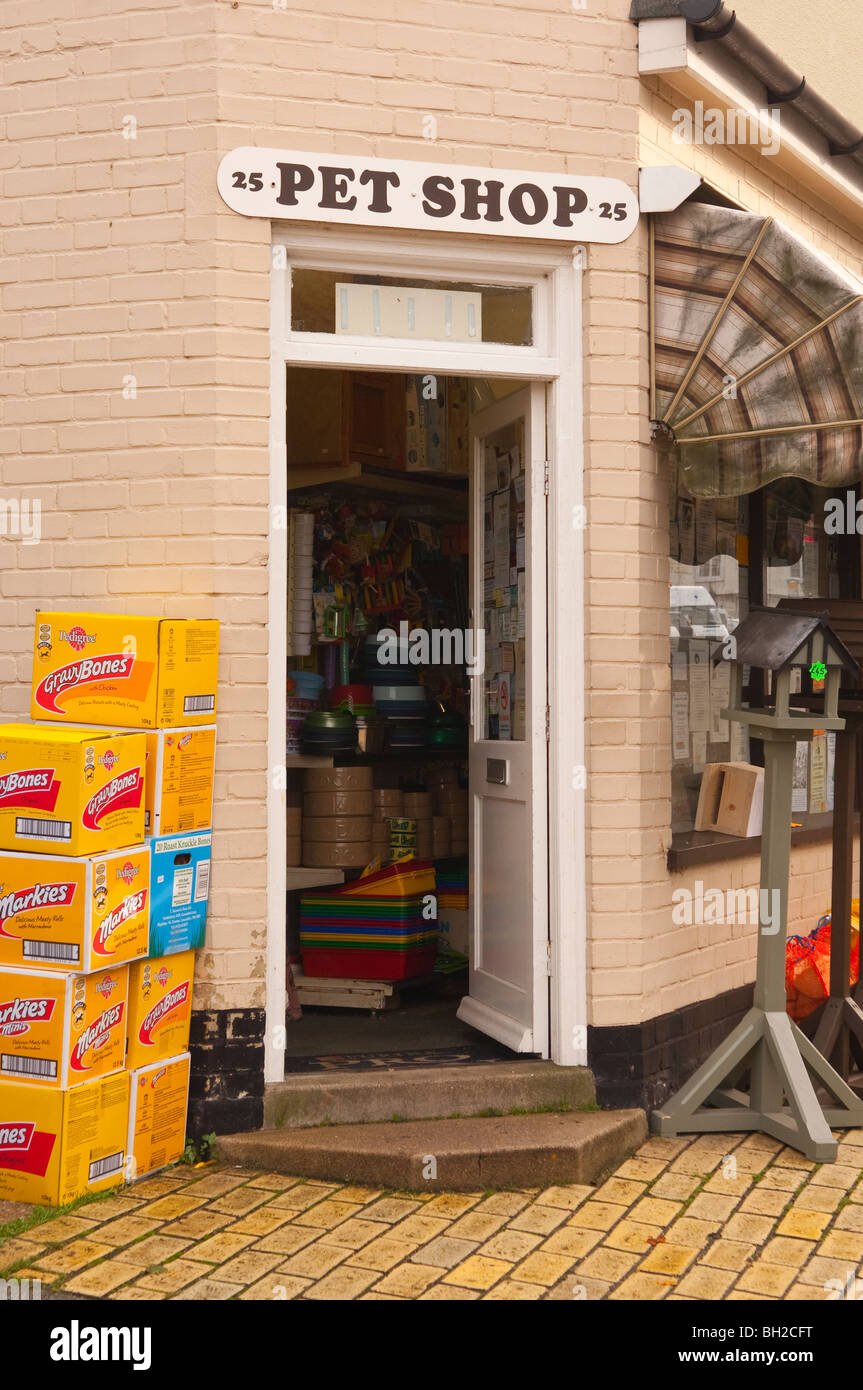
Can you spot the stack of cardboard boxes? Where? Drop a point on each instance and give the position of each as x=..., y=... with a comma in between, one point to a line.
x=105, y=811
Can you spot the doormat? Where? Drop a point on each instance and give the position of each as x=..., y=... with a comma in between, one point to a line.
x=390, y=1061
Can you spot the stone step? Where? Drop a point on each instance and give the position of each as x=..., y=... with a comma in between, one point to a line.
x=464, y=1155
x=418, y=1093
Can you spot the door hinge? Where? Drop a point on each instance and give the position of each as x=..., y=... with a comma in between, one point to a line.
x=548, y=958
x=546, y=476
x=547, y=724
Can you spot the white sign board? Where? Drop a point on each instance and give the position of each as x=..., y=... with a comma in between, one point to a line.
x=355, y=190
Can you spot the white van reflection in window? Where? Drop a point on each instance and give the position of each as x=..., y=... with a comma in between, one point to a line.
x=695, y=614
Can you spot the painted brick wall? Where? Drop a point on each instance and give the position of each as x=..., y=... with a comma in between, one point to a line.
x=113, y=276
x=536, y=84
x=122, y=261
x=638, y=974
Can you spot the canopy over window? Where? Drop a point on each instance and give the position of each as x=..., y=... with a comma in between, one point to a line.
x=758, y=353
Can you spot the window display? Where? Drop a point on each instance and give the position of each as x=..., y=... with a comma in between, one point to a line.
x=728, y=553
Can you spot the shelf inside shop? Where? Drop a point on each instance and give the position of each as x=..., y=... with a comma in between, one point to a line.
x=307, y=760
x=313, y=878
x=364, y=477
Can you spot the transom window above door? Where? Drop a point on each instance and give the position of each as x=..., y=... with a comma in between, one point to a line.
x=344, y=302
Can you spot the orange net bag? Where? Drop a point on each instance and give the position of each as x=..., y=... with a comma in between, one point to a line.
x=807, y=966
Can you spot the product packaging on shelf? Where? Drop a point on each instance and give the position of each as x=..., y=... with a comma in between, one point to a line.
x=454, y=929
x=59, y=1030
x=70, y=791
x=62, y=913
x=158, y=1100
x=143, y=673
x=160, y=1008
x=179, y=887
x=58, y=1145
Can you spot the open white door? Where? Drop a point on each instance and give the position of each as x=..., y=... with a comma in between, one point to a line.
x=508, y=994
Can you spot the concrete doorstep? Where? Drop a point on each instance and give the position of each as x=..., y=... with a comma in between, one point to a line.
x=304, y=1099
x=461, y=1155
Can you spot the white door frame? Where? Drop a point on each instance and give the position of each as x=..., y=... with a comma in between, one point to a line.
x=555, y=275
x=500, y=1020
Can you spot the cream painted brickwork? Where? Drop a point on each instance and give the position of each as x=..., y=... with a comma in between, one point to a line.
x=121, y=260
x=533, y=85
x=112, y=269
x=669, y=967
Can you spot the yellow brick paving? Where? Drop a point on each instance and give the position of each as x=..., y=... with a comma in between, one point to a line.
x=709, y=1217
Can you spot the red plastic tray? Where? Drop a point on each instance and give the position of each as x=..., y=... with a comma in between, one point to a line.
x=369, y=965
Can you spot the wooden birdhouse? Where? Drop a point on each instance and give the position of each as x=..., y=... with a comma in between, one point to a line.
x=779, y=641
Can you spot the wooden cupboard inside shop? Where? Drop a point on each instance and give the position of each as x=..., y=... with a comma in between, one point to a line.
x=344, y=417
x=340, y=423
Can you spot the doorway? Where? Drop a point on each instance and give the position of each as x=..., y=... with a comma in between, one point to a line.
x=415, y=720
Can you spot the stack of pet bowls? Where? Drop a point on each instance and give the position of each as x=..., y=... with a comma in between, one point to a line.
x=301, y=621
x=303, y=696
x=337, y=818
x=327, y=732
x=398, y=696
x=419, y=806
x=359, y=700
x=451, y=804
x=387, y=804
x=448, y=731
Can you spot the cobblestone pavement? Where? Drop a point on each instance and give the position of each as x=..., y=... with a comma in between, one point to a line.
x=713, y=1217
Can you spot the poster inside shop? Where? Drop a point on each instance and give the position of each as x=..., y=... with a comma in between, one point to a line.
x=818, y=774
x=699, y=687
x=504, y=579
x=800, y=794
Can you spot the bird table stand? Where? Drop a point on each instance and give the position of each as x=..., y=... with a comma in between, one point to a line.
x=837, y=1028
x=780, y=1060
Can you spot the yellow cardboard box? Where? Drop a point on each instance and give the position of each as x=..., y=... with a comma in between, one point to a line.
x=74, y=914
x=59, y=1030
x=160, y=1007
x=179, y=793
x=105, y=668
x=58, y=1145
x=70, y=791
x=158, y=1100
x=178, y=783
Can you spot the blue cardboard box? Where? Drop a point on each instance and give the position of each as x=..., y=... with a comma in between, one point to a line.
x=179, y=887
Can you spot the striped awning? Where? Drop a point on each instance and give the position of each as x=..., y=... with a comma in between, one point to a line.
x=757, y=353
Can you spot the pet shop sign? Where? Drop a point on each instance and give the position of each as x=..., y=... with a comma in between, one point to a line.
x=291, y=186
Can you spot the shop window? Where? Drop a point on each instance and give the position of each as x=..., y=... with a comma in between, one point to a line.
x=728, y=553
x=335, y=301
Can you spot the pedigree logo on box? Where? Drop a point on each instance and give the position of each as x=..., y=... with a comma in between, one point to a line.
x=143, y=673
x=160, y=1004
x=57, y=1031
x=70, y=791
